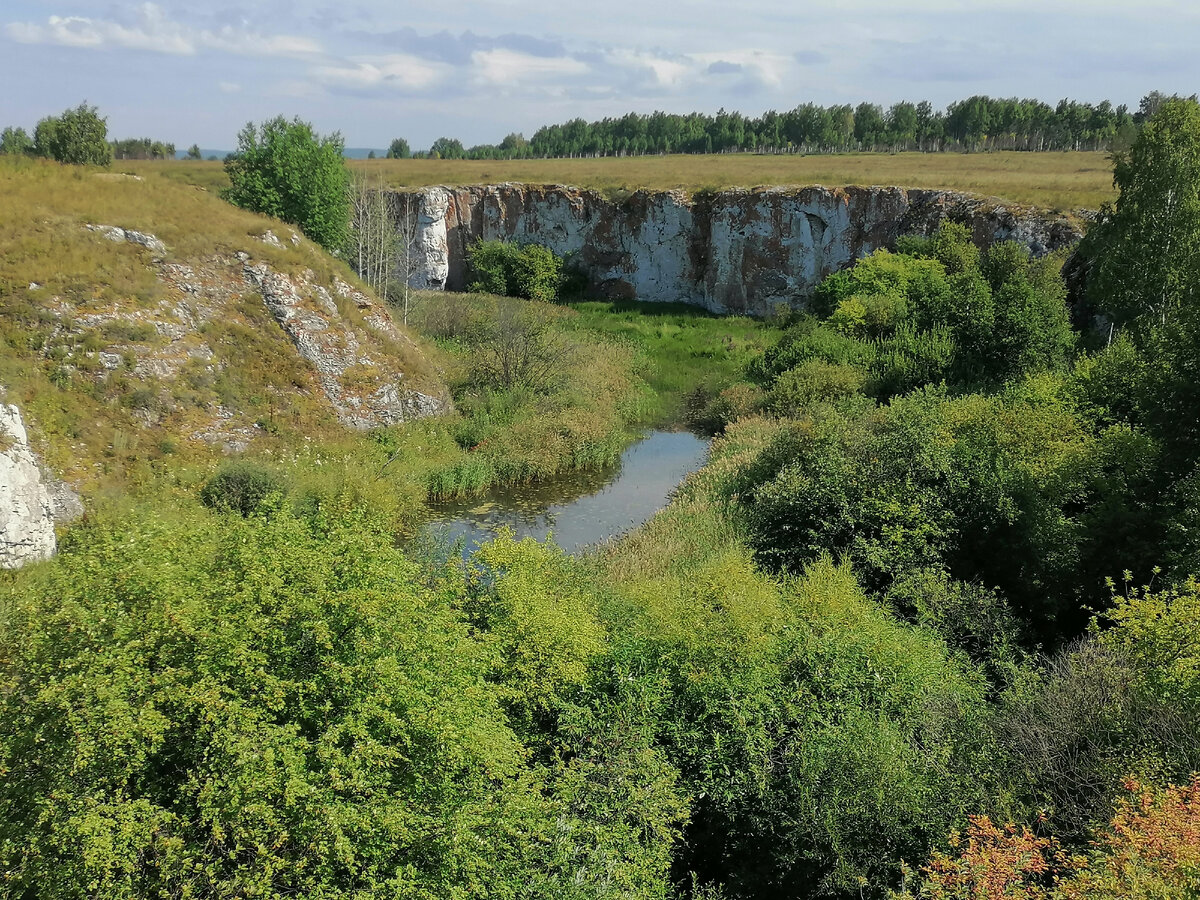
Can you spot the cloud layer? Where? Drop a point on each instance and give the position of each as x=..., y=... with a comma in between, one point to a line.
x=149, y=28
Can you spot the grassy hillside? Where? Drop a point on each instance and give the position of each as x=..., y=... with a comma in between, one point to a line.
x=121, y=355
x=1058, y=181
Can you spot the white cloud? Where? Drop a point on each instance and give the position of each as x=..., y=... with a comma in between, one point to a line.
x=151, y=29
x=397, y=71
x=229, y=87
x=508, y=67
x=668, y=72
x=768, y=69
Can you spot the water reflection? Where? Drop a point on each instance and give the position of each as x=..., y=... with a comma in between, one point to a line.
x=583, y=508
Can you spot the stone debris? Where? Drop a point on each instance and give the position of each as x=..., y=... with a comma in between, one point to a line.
x=744, y=251
x=125, y=236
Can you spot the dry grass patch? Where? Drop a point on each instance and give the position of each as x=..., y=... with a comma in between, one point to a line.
x=1059, y=181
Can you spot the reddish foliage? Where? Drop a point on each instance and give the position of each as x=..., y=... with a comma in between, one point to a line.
x=1150, y=849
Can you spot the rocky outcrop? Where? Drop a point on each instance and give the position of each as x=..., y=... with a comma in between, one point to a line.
x=744, y=251
x=125, y=236
x=173, y=347
x=27, y=510
x=364, y=390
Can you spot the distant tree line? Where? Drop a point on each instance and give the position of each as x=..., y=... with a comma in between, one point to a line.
x=975, y=124
x=143, y=148
x=80, y=136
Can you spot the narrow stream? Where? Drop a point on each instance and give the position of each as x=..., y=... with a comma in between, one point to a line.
x=582, y=508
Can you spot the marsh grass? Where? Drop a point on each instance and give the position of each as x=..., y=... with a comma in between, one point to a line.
x=683, y=352
x=1057, y=181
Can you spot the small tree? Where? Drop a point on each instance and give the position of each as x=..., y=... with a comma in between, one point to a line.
x=78, y=137
x=193, y=152
x=382, y=242
x=399, y=149
x=1145, y=251
x=284, y=169
x=15, y=142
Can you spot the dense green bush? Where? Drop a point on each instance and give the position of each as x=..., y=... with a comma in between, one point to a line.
x=241, y=486
x=508, y=269
x=192, y=706
x=939, y=311
x=284, y=169
x=79, y=136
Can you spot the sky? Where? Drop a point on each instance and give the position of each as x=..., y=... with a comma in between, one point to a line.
x=195, y=71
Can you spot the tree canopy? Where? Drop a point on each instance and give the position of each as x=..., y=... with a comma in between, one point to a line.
x=79, y=136
x=284, y=169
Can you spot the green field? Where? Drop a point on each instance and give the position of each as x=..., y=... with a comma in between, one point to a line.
x=1058, y=181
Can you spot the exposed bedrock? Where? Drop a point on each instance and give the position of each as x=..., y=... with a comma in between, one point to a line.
x=30, y=500
x=743, y=251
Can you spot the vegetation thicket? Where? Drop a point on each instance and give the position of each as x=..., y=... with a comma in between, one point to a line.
x=891, y=641
x=285, y=170
x=78, y=136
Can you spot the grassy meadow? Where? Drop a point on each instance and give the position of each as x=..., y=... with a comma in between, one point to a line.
x=1058, y=181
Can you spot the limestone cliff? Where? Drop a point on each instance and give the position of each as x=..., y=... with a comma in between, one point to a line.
x=26, y=506
x=742, y=251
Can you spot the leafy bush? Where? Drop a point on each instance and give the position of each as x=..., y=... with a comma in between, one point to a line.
x=814, y=381
x=79, y=136
x=287, y=706
x=1150, y=850
x=938, y=312
x=729, y=405
x=241, y=487
x=284, y=169
x=531, y=271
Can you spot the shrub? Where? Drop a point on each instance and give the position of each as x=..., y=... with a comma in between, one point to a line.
x=79, y=137
x=732, y=403
x=259, y=707
x=241, y=487
x=510, y=270
x=538, y=274
x=492, y=264
x=284, y=169
x=814, y=381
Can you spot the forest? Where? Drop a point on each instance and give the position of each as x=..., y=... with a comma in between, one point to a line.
x=975, y=124
x=925, y=626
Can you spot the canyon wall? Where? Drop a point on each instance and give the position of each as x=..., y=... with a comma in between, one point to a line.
x=733, y=251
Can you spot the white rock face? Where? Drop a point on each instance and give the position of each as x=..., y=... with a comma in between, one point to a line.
x=125, y=236
x=732, y=251
x=27, y=509
x=358, y=384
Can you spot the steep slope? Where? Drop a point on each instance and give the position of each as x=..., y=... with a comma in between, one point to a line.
x=142, y=318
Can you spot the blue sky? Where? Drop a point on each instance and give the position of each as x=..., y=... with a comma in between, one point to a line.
x=194, y=71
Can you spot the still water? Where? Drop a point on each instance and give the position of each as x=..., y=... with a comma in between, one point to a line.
x=584, y=508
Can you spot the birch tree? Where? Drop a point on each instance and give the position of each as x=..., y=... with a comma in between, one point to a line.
x=383, y=239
